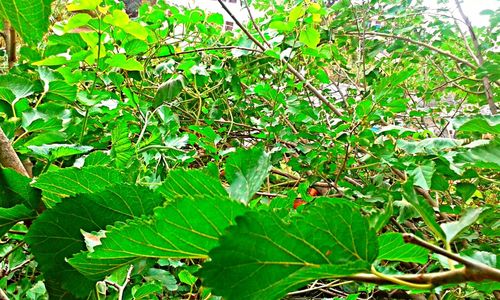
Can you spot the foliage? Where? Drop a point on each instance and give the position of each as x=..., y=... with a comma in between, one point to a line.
x=171, y=157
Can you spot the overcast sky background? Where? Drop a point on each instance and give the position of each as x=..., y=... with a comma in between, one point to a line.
x=472, y=9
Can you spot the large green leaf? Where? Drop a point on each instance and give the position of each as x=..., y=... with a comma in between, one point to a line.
x=480, y=124
x=187, y=228
x=72, y=181
x=453, y=229
x=246, y=171
x=169, y=90
x=56, y=234
x=393, y=247
x=264, y=258
x=19, y=86
x=428, y=146
x=12, y=215
x=30, y=18
x=423, y=208
x=422, y=174
x=181, y=183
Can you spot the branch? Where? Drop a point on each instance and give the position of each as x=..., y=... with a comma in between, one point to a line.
x=486, y=81
x=8, y=157
x=289, y=67
x=121, y=288
x=210, y=48
x=411, y=41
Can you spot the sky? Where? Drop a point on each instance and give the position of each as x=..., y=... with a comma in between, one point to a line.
x=472, y=9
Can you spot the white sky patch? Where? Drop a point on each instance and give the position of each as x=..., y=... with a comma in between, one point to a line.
x=472, y=9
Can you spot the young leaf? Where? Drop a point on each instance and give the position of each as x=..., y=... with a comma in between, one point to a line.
x=56, y=234
x=188, y=228
x=393, y=247
x=310, y=37
x=453, y=229
x=423, y=208
x=246, y=171
x=262, y=257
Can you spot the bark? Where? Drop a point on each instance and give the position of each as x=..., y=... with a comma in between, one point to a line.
x=8, y=157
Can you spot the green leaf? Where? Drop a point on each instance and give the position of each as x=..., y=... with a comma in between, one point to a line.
x=55, y=151
x=479, y=124
x=19, y=86
x=56, y=234
x=310, y=37
x=16, y=189
x=121, y=61
x=393, y=247
x=72, y=181
x=422, y=174
x=296, y=13
x=10, y=216
x=187, y=228
x=135, y=47
x=30, y=18
x=246, y=170
x=181, y=183
x=428, y=146
x=453, y=229
x=169, y=90
x=465, y=190
x=424, y=209
x=264, y=258
x=482, y=156
x=61, y=91
x=121, y=146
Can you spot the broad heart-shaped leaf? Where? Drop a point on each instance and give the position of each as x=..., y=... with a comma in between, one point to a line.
x=310, y=37
x=12, y=215
x=55, y=235
x=19, y=86
x=181, y=183
x=393, y=247
x=246, y=170
x=121, y=61
x=169, y=90
x=428, y=146
x=264, y=258
x=423, y=208
x=72, y=181
x=480, y=124
x=453, y=229
x=30, y=18
x=187, y=228
x=422, y=174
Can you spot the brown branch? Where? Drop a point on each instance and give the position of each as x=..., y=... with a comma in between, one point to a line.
x=8, y=157
x=289, y=67
x=486, y=81
x=411, y=41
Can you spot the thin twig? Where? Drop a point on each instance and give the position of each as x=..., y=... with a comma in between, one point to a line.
x=121, y=288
